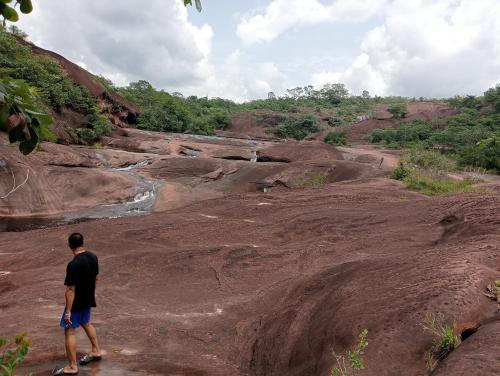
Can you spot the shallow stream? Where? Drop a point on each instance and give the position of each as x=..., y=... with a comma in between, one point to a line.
x=141, y=203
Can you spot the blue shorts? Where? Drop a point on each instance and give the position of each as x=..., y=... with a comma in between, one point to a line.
x=77, y=318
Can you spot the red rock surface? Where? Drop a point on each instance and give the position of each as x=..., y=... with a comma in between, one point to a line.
x=224, y=279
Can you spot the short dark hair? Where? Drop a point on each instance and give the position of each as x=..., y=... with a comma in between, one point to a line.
x=75, y=240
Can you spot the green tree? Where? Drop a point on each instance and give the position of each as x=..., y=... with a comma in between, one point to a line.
x=398, y=110
x=334, y=93
x=298, y=127
x=484, y=154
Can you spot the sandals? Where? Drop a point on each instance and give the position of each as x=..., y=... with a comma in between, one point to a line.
x=60, y=371
x=84, y=360
x=89, y=358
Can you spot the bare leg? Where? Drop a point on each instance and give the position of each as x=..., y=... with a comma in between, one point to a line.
x=70, y=342
x=91, y=333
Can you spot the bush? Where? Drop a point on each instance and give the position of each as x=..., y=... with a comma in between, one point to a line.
x=354, y=361
x=298, y=127
x=336, y=138
x=398, y=110
x=484, y=154
x=422, y=171
x=314, y=181
x=218, y=118
x=98, y=127
x=429, y=160
x=334, y=121
x=11, y=355
x=401, y=171
x=413, y=133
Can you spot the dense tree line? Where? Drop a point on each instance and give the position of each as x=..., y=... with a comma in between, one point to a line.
x=472, y=137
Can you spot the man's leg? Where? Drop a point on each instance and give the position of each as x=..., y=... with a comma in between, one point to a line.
x=70, y=342
x=91, y=333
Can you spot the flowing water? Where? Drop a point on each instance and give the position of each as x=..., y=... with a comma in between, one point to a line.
x=140, y=204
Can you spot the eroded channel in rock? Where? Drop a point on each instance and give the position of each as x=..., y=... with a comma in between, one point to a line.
x=141, y=203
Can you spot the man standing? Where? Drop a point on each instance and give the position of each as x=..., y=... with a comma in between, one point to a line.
x=81, y=278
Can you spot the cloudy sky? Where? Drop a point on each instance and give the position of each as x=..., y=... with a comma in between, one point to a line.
x=243, y=49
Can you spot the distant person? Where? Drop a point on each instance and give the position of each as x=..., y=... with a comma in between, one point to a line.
x=81, y=278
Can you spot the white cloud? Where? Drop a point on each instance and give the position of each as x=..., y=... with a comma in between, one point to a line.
x=237, y=80
x=153, y=41
x=421, y=47
x=281, y=15
x=428, y=48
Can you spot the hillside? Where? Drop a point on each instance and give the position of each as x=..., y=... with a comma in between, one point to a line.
x=81, y=107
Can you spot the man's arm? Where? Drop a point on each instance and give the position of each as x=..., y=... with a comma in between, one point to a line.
x=70, y=296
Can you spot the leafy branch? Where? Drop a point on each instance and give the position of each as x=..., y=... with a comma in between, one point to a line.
x=348, y=364
x=20, y=115
x=197, y=2
x=12, y=356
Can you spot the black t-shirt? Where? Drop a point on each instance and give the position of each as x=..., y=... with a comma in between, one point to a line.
x=81, y=272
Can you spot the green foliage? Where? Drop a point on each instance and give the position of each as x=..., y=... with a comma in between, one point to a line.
x=98, y=126
x=314, y=181
x=336, y=138
x=197, y=2
x=40, y=79
x=425, y=171
x=11, y=355
x=486, y=153
x=45, y=74
x=332, y=97
x=445, y=339
x=334, y=121
x=429, y=160
x=164, y=112
x=21, y=115
x=471, y=137
x=435, y=186
x=9, y=13
x=409, y=134
x=218, y=118
x=401, y=171
x=298, y=127
x=469, y=101
x=398, y=110
x=354, y=361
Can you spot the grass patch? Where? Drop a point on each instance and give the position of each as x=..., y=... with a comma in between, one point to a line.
x=314, y=181
x=425, y=171
x=445, y=339
x=428, y=185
